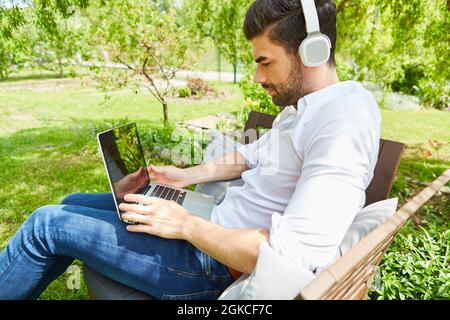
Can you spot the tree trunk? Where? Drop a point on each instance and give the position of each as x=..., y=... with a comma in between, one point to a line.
x=166, y=113
x=61, y=69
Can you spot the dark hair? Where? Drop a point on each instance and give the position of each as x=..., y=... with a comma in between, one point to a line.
x=285, y=22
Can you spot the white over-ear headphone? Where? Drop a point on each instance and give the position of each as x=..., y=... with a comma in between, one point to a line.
x=315, y=50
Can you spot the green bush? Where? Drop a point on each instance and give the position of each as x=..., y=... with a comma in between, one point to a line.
x=184, y=92
x=408, y=81
x=416, y=267
x=256, y=99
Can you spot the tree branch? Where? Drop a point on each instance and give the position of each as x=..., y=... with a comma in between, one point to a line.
x=150, y=79
x=125, y=64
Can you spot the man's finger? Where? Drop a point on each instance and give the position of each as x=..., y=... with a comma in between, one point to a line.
x=135, y=208
x=139, y=228
x=139, y=198
x=136, y=217
x=154, y=169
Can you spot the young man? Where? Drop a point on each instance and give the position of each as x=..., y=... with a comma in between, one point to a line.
x=304, y=181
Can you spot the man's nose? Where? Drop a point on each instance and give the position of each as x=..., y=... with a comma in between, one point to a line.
x=260, y=76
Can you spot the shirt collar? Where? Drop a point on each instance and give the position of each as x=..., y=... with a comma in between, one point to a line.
x=326, y=94
x=317, y=98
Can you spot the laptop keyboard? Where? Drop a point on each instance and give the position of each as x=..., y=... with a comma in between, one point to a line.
x=166, y=193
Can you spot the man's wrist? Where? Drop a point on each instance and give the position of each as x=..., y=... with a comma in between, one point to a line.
x=197, y=174
x=189, y=227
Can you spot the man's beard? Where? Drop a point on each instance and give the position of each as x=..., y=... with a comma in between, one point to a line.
x=288, y=93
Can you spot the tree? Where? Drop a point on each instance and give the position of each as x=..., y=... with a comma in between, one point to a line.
x=222, y=21
x=7, y=58
x=58, y=42
x=228, y=32
x=403, y=45
x=10, y=19
x=145, y=39
x=43, y=31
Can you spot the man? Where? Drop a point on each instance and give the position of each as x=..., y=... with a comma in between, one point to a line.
x=304, y=181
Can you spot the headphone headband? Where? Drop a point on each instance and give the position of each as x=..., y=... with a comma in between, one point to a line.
x=310, y=14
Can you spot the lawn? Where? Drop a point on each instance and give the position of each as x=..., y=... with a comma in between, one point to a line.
x=48, y=148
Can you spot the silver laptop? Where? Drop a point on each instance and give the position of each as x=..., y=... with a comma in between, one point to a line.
x=125, y=164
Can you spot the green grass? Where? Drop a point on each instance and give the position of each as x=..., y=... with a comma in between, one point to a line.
x=40, y=107
x=48, y=147
x=48, y=150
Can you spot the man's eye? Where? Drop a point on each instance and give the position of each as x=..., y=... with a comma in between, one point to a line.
x=265, y=64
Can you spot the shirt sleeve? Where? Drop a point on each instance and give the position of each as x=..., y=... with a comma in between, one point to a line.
x=337, y=167
x=250, y=151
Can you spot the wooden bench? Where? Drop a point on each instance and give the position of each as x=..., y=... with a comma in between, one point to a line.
x=350, y=277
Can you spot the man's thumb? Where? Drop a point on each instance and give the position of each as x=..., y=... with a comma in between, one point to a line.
x=154, y=169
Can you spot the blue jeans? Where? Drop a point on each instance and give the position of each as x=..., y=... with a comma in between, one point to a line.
x=86, y=227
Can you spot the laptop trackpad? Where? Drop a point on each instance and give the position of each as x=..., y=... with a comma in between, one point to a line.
x=199, y=205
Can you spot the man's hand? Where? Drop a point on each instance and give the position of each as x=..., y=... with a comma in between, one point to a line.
x=158, y=217
x=169, y=175
x=131, y=182
x=237, y=248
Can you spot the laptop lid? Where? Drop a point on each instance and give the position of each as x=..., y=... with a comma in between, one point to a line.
x=124, y=161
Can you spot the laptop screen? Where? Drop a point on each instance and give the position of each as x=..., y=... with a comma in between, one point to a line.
x=124, y=160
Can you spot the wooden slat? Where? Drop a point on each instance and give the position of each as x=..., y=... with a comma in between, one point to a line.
x=358, y=293
x=252, y=121
x=382, y=141
x=385, y=171
x=353, y=277
x=319, y=287
x=371, y=258
x=356, y=275
x=357, y=285
x=255, y=120
x=266, y=120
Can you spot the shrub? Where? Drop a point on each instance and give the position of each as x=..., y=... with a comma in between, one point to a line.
x=184, y=92
x=198, y=87
x=256, y=99
x=415, y=267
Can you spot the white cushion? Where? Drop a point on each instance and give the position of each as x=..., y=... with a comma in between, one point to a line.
x=277, y=277
x=220, y=145
x=367, y=220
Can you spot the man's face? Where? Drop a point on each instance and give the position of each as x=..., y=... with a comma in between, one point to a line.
x=278, y=72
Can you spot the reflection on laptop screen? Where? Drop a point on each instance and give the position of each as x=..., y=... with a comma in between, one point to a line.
x=124, y=160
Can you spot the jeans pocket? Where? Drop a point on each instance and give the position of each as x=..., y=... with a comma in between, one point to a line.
x=203, y=295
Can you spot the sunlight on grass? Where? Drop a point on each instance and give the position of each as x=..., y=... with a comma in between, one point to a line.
x=24, y=109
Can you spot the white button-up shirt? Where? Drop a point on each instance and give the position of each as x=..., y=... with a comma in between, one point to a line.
x=308, y=174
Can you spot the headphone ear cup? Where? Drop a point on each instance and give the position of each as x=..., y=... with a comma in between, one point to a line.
x=315, y=50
